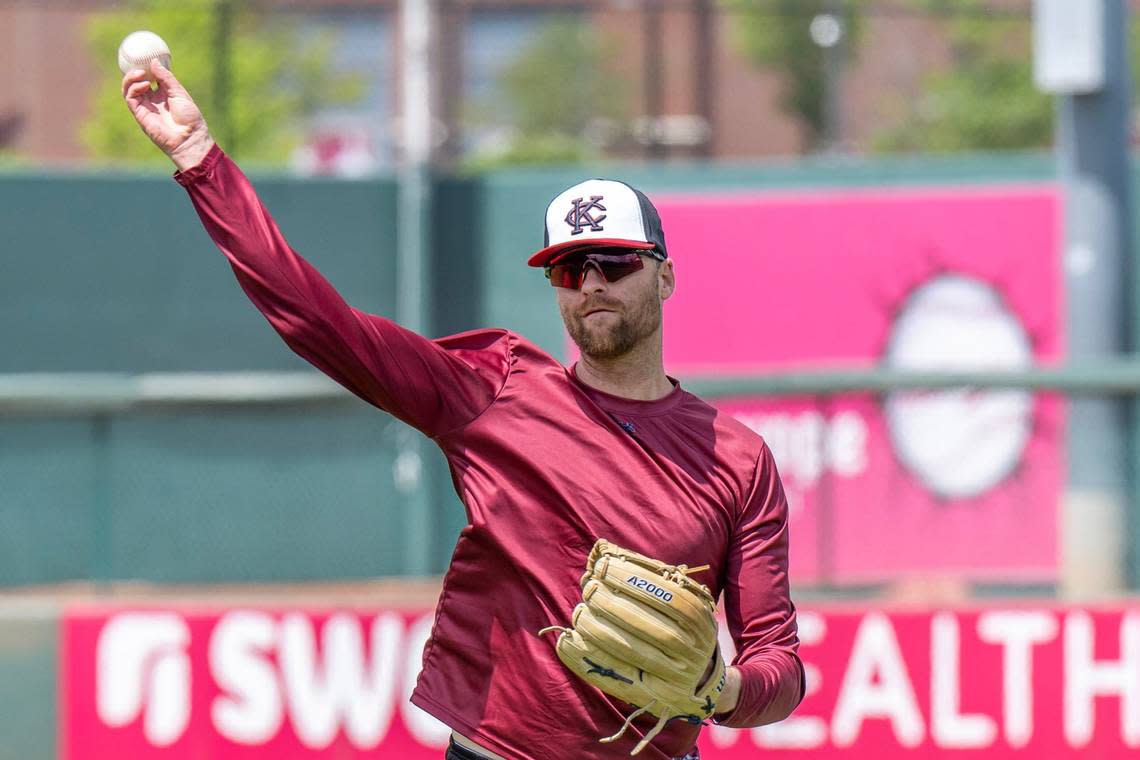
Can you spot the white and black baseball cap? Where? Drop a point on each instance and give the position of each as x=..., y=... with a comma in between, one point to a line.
x=600, y=212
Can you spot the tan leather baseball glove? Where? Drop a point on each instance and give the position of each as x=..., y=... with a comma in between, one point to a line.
x=645, y=633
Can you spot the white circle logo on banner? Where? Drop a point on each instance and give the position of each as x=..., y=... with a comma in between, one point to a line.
x=960, y=442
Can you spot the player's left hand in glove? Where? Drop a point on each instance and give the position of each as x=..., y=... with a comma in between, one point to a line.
x=647, y=634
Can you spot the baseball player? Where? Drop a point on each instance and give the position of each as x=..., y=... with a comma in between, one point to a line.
x=547, y=460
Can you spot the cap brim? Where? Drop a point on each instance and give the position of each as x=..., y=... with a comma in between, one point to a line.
x=551, y=254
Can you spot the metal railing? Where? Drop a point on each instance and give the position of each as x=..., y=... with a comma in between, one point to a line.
x=109, y=393
x=1120, y=377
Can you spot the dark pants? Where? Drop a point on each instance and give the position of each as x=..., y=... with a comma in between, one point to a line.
x=455, y=752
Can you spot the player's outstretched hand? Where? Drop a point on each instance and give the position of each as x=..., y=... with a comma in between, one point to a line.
x=168, y=115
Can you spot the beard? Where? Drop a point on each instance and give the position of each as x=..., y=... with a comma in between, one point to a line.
x=615, y=336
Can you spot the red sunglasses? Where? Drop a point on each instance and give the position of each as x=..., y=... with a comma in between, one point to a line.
x=612, y=263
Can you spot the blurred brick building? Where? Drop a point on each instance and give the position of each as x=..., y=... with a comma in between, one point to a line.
x=693, y=93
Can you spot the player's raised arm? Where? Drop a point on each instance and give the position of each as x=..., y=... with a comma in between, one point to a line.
x=434, y=386
x=167, y=115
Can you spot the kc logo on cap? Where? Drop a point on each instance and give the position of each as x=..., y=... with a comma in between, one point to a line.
x=574, y=221
x=579, y=215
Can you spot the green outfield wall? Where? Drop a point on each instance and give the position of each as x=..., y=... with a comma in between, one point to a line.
x=29, y=669
x=114, y=274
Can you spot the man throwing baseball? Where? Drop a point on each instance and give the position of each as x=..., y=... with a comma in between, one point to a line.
x=607, y=507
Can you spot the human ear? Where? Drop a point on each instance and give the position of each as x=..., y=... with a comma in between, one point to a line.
x=666, y=279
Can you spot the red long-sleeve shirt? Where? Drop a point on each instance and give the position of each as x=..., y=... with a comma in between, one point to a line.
x=544, y=466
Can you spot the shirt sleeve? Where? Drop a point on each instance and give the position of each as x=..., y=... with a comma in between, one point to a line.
x=758, y=607
x=435, y=386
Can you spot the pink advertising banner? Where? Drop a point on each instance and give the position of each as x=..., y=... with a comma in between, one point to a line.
x=1012, y=681
x=962, y=482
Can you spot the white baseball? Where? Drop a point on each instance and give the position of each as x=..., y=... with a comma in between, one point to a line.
x=139, y=48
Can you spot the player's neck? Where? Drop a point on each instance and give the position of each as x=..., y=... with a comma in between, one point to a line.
x=638, y=374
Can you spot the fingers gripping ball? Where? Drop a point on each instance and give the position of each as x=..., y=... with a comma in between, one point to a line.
x=138, y=49
x=645, y=633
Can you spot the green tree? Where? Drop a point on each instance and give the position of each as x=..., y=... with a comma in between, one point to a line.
x=776, y=34
x=276, y=78
x=560, y=86
x=986, y=99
